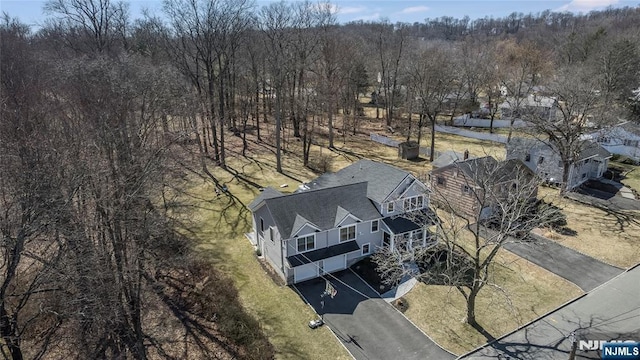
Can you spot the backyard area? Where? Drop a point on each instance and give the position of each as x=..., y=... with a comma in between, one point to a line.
x=220, y=227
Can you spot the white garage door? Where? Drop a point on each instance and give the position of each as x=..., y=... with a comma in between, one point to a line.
x=334, y=264
x=305, y=272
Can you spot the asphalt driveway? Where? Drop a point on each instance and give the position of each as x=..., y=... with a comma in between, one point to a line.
x=582, y=270
x=368, y=326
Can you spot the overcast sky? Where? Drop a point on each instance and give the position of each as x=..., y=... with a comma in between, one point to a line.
x=30, y=11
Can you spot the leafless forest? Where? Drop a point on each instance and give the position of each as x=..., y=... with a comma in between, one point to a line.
x=102, y=116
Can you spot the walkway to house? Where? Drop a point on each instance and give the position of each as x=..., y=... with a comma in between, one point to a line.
x=582, y=270
x=367, y=325
x=612, y=311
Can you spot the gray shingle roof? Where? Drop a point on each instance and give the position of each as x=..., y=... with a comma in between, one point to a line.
x=447, y=158
x=588, y=148
x=489, y=168
x=320, y=207
x=382, y=178
x=471, y=167
x=324, y=253
x=267, y=193
x=409, y=222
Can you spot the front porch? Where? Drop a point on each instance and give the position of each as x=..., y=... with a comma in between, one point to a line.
x=406, y=233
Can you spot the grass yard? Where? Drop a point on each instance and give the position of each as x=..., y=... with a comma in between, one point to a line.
x=220, y=228
x=632, y=175
x=609, y=237
x=526, y=292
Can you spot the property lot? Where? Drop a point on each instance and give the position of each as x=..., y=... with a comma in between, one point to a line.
x=368, y=326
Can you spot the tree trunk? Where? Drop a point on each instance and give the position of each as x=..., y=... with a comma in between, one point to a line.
x=222, y=114
x=566, y=169
x=491, y=123
x=433, y=138
x=420, y=125
x=330, y=114
x=258, y=111
x=471, y=307
x=278, y=130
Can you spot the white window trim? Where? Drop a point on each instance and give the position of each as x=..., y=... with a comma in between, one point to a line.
x=392, y=205
x=355, y=233
x=377, y=226
x=411, y=206
x=368, y=246
x=304, y=237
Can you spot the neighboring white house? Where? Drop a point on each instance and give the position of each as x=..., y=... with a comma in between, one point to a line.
x=622, y=139
x=544, y=159
x=340, y=218
x=544, y=106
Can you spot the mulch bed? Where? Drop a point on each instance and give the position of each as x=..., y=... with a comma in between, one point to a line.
x=272, y=274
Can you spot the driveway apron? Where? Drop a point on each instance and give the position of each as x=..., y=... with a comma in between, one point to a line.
x=368, y=326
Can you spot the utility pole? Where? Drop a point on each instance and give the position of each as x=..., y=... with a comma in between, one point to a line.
x=574, y=345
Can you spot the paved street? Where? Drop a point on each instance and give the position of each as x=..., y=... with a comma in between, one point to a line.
x=368, y=326
x=582, y=270
x=611, y=311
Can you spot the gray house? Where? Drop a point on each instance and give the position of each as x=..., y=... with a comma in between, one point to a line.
x=340, y=218
x=544, y=159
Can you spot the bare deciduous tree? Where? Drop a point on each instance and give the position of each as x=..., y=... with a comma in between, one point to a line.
x=498, y=206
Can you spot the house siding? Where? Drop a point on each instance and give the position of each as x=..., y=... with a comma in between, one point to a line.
x=271, y=247
x=550, y=168
x=413, y=188
x=615, y=141
x=450, y=193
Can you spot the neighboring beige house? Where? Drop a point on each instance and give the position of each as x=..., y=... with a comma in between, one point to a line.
x=461, y=185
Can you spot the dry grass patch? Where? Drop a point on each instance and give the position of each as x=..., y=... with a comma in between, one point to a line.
x=632, y=175
x=608, y=237
x=526, y=292
x=220, y=228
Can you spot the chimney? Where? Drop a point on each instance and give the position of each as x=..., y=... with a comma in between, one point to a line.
x=466, y=155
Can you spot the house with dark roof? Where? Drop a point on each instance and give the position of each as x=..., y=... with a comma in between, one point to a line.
x=339, y=218
x=622, y=139
x=473, y=187
x=544, y=159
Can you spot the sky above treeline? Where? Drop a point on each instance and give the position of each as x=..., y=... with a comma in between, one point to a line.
x=30, y=11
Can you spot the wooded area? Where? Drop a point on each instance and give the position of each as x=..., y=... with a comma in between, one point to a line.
x=104, y=118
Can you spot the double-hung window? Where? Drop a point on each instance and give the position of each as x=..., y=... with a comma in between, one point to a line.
x=306, y=243
x=374, y=226
x=347, y=233
x=390, y=207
